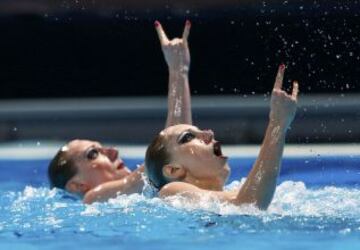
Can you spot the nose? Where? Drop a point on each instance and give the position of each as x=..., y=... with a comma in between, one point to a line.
x=207, y=135
x=111, y=153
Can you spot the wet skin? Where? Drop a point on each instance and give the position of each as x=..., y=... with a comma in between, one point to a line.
x=95, y=164
x=199, y=154
x=195, y=157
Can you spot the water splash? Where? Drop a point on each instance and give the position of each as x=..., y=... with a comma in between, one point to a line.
x=295, y=208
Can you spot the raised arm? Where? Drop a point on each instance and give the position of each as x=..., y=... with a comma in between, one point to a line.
x=260, y=185
x=177, y=57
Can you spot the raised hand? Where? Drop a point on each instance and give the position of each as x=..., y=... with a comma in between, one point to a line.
x=176, y=51
x=283, y=105
x=260, y=184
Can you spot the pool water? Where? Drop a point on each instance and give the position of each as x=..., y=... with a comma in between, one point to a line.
x=316, y=205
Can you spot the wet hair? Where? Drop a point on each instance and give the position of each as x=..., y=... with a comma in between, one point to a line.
x=61, y=169
x=157, y=156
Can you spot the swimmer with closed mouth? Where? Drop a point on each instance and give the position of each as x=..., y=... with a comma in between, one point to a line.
x=97, y=173
x=184, y=160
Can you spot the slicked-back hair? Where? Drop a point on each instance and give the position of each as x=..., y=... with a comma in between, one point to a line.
x=156, y=158
x=61, y=169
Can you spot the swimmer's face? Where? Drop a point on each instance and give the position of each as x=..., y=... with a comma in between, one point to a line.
x=95, y=165
x=199, y=154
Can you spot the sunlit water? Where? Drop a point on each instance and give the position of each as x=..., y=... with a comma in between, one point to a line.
x=316, y=206
x=326, y=217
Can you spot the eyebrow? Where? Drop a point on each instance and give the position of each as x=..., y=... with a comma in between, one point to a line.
x=95, y=145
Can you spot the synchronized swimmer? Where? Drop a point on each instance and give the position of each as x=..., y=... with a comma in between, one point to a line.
x=182, y=159
x=97, y=173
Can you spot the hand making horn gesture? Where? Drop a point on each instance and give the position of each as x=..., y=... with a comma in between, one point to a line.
x=176, y=51
x=283, y=105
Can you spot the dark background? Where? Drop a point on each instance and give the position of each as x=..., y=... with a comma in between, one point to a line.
x=110, y=48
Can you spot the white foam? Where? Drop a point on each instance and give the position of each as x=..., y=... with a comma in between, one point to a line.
x=290, y=199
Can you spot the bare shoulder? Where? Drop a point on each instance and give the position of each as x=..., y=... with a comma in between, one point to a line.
x=195, y=193
x=175, y=188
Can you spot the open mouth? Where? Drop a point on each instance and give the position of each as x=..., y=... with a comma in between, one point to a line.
x=121, y=165
x=217, y=150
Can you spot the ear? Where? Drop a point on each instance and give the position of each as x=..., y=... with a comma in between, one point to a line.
x=174, y=172
x=76, y=186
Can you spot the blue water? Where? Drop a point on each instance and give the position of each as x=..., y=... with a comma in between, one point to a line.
x=316, y=206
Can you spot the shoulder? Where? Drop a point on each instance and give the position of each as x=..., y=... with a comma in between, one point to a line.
x=175, y=188
x=194, y=193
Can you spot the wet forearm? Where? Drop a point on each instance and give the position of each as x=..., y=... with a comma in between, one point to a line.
x=260, y=185
x=179, y=103
x=130, y=184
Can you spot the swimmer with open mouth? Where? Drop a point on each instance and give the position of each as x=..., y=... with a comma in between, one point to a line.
x=97, y=173
x=184, y=160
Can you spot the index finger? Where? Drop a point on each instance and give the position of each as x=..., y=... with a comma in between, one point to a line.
x=279, y=77
x=295, y=90
x=186, y=30
x=161, y=33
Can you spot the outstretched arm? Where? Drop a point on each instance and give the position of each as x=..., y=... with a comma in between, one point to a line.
x=177, y=57
x=260, y=185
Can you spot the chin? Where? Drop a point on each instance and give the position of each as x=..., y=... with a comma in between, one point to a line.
x=223, y=160
x=227, y=172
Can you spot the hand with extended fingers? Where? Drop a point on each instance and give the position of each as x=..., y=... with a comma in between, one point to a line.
x=176, y=51
x=283, y=105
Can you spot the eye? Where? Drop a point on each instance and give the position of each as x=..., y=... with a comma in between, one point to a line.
x=186, y=137
x=92, y=154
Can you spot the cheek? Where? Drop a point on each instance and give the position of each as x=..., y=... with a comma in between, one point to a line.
x=197, y=153
x=102, y=163
x=189, y=154
x=190, y=151
x=194, y=155
x=100, y=174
